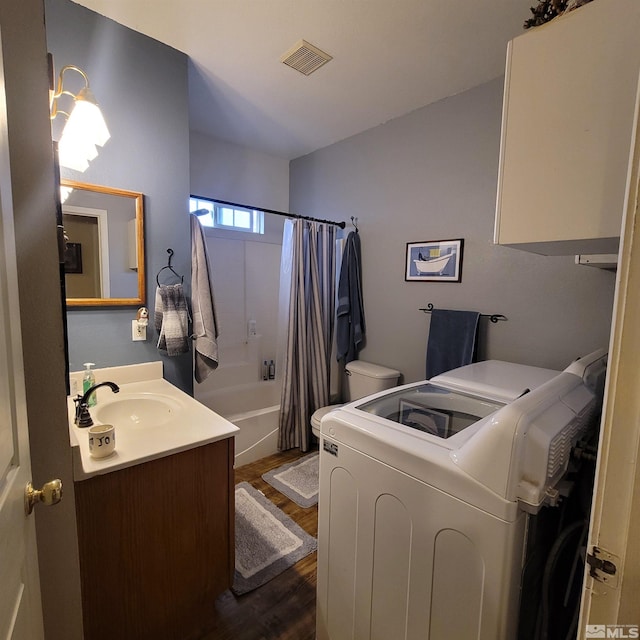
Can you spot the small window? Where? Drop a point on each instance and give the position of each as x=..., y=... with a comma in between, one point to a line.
x=228, y=216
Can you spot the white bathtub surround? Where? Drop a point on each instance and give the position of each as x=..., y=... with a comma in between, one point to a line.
x=236, y=391
x=246, y=272
x=186, y=425
x=241, y=363
x=253, y=408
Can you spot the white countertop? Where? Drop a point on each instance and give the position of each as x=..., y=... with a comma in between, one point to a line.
x=194, y=424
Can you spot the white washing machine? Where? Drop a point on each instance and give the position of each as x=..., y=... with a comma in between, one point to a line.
x=425, y=492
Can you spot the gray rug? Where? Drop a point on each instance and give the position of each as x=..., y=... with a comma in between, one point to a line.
x=267, y=540
x=298, y=480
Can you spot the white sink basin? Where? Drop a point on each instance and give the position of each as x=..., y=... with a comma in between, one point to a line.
x=152, y=417
x=138, y=410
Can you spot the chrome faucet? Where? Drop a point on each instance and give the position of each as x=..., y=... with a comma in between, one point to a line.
x=83, y=417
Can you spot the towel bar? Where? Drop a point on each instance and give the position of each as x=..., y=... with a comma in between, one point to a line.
x=493, y=317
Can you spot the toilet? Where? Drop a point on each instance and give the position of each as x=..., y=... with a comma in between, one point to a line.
x=363, y=379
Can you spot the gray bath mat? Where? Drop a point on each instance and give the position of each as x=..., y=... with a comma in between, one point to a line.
x=267, y=540
x=298, y=480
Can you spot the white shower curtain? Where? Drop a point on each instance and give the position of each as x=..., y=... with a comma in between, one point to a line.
x=305, y=384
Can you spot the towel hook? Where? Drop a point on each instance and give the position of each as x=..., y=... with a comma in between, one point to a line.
x=354, y=222
x=168, y=266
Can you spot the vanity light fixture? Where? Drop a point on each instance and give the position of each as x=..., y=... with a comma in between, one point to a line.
x=85, y=128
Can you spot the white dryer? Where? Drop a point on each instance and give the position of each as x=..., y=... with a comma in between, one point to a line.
x=425, y=492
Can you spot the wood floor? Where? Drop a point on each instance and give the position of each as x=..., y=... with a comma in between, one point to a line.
x=285, y=607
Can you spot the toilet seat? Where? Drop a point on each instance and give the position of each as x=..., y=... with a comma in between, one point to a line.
x=318, y=414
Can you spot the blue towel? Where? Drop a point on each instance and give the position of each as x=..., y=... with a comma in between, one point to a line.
x=452, y=340
x=350, y=327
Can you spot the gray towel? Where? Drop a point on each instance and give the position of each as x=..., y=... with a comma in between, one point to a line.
x=205, y=324
x=350, y=327
x=171, y=319
x=452, y=340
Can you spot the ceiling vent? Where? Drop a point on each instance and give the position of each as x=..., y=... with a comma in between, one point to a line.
x=305, y=58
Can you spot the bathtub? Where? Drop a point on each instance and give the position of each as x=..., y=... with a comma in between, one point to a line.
x=254, y=409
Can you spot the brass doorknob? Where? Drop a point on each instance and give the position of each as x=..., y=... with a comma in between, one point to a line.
x=51, y=493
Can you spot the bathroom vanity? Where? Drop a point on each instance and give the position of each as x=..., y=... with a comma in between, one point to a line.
x=156, y=518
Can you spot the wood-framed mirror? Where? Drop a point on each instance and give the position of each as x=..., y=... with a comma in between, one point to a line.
x=104, y=256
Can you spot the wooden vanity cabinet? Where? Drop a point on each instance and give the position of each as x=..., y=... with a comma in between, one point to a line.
x=157, y=545
x=568, y=114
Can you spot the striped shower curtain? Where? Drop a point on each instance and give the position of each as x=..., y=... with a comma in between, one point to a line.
x=305, y=385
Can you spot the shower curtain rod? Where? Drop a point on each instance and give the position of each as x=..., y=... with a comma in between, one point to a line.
x=278, y=213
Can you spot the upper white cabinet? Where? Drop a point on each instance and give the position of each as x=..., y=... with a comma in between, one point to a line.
x=570, y=91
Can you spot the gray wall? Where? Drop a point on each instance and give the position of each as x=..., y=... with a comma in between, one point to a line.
x=432, y=175
x=141, y=86
x=233, y=173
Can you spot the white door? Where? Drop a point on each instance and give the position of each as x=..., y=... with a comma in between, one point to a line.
x=614, y=599
x=20, y=608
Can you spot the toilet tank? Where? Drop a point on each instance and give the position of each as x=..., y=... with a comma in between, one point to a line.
x=365, y=378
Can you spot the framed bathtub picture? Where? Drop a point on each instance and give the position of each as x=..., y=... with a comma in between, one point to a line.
x=434, y=261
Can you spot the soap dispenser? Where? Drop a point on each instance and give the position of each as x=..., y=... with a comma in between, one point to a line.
x=88, y=380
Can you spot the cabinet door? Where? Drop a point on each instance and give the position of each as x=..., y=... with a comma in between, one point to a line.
x=566, y=131
x=157, y=545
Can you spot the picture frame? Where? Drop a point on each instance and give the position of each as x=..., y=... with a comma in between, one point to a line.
x=426, y=419
x=73, y=257
x=434, y=261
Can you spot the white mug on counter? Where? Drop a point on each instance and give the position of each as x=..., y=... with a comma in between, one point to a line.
x=102, y=440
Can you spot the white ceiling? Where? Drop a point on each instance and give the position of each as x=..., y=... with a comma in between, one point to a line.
x=390, y=57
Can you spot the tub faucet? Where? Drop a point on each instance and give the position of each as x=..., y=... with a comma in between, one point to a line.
x=83, y=417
